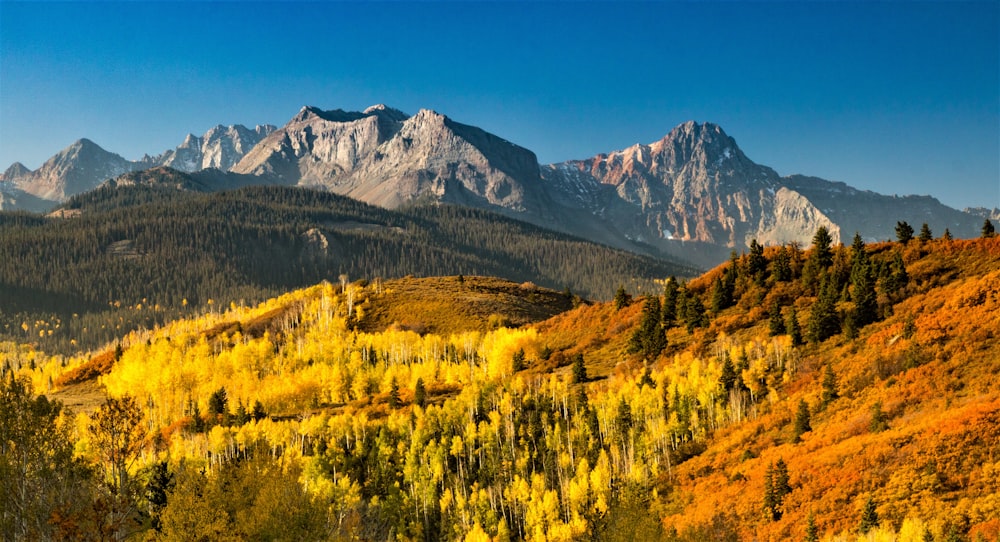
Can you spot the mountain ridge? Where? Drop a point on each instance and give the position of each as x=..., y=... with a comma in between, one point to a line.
x=692, y=194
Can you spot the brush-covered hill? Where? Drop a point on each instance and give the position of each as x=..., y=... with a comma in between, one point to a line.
x=154, y=246
x=839, y=393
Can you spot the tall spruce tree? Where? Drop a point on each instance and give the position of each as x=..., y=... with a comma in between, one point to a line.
x=793, y=327
x=781, y=266
x=776, y=324
x=904, y=232
x=988, y=229
x=824, y=322
x=649, y=339
x=669, y=319
x=925, y=233
x=862, y=285
x=822, y=252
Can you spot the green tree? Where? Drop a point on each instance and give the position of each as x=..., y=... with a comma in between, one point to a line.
x=693, y=311
x=776, y=487
x=812, y=532
x=822, y=253
x=824, y=321
x=622, y=299
x=781, y=266
x=218, y=403
x=869, y=516
x=947, y=235
x=802, y=421
x=722, y=294
x=829, y=391
x=925, y=233
x=756, y=262
x=517, y=361
x=670, y=290
x=862, y=285
x=988, y=229
x=258, y=413
x=776, y=323
x=879, y=421
x=727, y=379
x=420, y=393
x=394, y=393
x=904, y=232
x=649, y=339
x=792, y=325
x=579, y=369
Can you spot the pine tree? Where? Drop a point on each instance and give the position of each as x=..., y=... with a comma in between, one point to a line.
x=649, y=339
x=947, y=235
x=794, y=331
x=812, y=532
x=904, y=232
x=756, y=263
x=721, y=296
x=420, y=393
x=727, y=380
x=579, y=370
x=670, y=303
x=925, y=233
x=880, y=421
x=393, y=394
x=829, y=392
x=258, y=413
x=781, y=266
x=822, y=254
x=988, y=230
x=517, y=361
x=823, y=319
x=776, y=324
x=802, y=421
x=869, y=516
x=863, y=286
x=622, y=299
x=217, y=403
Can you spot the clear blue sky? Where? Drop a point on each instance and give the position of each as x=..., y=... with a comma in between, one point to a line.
x=897, y=97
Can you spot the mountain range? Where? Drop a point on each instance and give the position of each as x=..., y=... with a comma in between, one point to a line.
x=692, y=195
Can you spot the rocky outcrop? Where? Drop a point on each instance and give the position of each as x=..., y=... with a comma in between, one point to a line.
x=384, y=157
x=222, y=147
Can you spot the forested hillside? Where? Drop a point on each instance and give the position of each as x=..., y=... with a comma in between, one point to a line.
x=839, y=393
x=127, y=257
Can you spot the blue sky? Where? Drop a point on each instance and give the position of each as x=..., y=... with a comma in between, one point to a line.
x=897, y=97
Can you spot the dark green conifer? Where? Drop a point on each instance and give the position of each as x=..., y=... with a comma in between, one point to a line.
x=776, y=324
x=649, y=339
x=812, y=532
x=829, y=392
x=824, y=322
x=579, y=370
x=802, y=421
x=670, y=303
x=822, y=253
x=904, y=232
x=880, y=421
x=622, y=299
x=925, y=233
x=756, y=262
x=988, y=229
x=781, y=266
x=420, y=393
x=869, y=516
x=794, y=331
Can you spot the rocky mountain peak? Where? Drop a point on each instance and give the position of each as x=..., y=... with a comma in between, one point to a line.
x=14, y=172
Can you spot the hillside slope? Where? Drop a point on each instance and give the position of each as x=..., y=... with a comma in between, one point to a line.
x=139, y=252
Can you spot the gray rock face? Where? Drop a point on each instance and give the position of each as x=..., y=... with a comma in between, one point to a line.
x=696, y=185
x=384, y=157
x=78, y=168
x=220, y=148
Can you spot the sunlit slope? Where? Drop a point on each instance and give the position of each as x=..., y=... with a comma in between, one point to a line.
x=695, y=413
